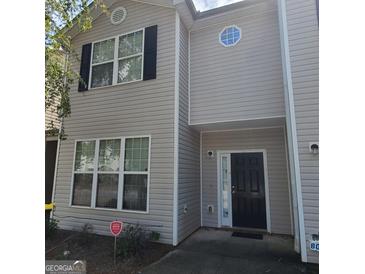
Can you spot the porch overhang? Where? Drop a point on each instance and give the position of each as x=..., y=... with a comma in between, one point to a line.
x=241, y=124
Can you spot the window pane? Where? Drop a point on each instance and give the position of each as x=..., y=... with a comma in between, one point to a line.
x=135, y=192
x=130, y=44
x=130, y=69
x=107, y=192
x=136, y=154
x=102, y=75
x=103, y=51
x=109, y=154
x=84, y=160
x=82, y=189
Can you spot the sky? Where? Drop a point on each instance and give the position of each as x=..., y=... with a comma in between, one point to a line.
x=203, y=5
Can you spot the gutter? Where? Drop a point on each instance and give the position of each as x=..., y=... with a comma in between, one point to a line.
x=176, y=132
x=291, y=124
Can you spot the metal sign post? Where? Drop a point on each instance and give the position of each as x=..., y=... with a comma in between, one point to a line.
x=116, y=228
x=115, y=250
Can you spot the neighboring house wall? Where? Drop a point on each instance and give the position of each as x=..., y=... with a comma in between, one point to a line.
x=241, y=82
x=271, y=139
x=303, y=46
x=52, y=117
x=189, y=152
x=139, y=108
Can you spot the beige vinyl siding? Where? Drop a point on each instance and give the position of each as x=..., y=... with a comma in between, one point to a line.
x=270, y=139
x=140, y=108
x=189, y=153
x=240, y=82
x=303, y=48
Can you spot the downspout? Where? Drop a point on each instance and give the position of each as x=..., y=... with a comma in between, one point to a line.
x=291, y=124
x=58, y=142
x=176, y=133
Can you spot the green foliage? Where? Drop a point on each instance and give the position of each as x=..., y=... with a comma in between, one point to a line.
x=132, y=241
x=60, y=16
x=51, y=228
x=154, y=236
x=86, y=235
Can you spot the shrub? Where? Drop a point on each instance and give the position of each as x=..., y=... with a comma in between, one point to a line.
x=132, y=241
x=154, y=236
x=86, y=235
x=51, y=227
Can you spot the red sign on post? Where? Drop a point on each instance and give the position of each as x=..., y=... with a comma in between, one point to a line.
x=116, y=228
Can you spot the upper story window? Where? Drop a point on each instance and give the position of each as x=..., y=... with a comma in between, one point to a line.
x=230, y=36
x=117, y=60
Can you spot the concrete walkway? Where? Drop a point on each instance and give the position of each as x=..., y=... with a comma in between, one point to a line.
x=216, y=251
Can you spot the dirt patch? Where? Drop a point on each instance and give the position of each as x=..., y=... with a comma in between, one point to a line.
x=97, y=251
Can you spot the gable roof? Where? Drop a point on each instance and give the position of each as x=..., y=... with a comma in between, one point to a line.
x=186, y=9
x=96, y=12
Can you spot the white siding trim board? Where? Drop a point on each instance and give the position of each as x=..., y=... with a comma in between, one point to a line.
x=239, y=129
x=291, y=123
x=201, y=178
x=236, y=120
x=176, y=132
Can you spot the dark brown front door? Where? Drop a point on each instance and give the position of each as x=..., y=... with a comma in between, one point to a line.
x=248, y=190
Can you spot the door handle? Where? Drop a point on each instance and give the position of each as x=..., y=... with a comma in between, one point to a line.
x=233, y=190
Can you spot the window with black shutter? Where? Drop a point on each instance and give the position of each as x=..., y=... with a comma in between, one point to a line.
x=122, y=59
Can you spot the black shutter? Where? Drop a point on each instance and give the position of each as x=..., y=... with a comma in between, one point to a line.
x=150, y=53
x=85, y=67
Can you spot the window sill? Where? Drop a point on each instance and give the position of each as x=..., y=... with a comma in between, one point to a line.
x=115, y=85
x=110, y=209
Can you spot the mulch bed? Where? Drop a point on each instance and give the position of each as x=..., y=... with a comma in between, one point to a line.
x=97, y=251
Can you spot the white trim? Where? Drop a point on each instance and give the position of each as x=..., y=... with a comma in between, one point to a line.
x=95, y=174
x=241, y=129
x=110, y=209
x=153, y=4
x=176, y=132
x=267, y=192
x=237, y=120
x=120, y=173
x=289, y=186
x=235, y=43
x=229, y=180
x=189, y=78
x=291, y=123
x=201, y=178
x=116, y=59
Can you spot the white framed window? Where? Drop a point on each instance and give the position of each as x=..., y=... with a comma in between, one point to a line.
x=117, y=60
x=112, y=173
x=230, y=36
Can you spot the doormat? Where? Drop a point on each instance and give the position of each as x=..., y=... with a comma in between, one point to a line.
x=247, y=235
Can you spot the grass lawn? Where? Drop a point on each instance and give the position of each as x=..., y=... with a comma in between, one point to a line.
x=97, y=251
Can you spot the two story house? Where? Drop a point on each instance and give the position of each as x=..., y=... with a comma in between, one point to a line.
x=186, y=119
